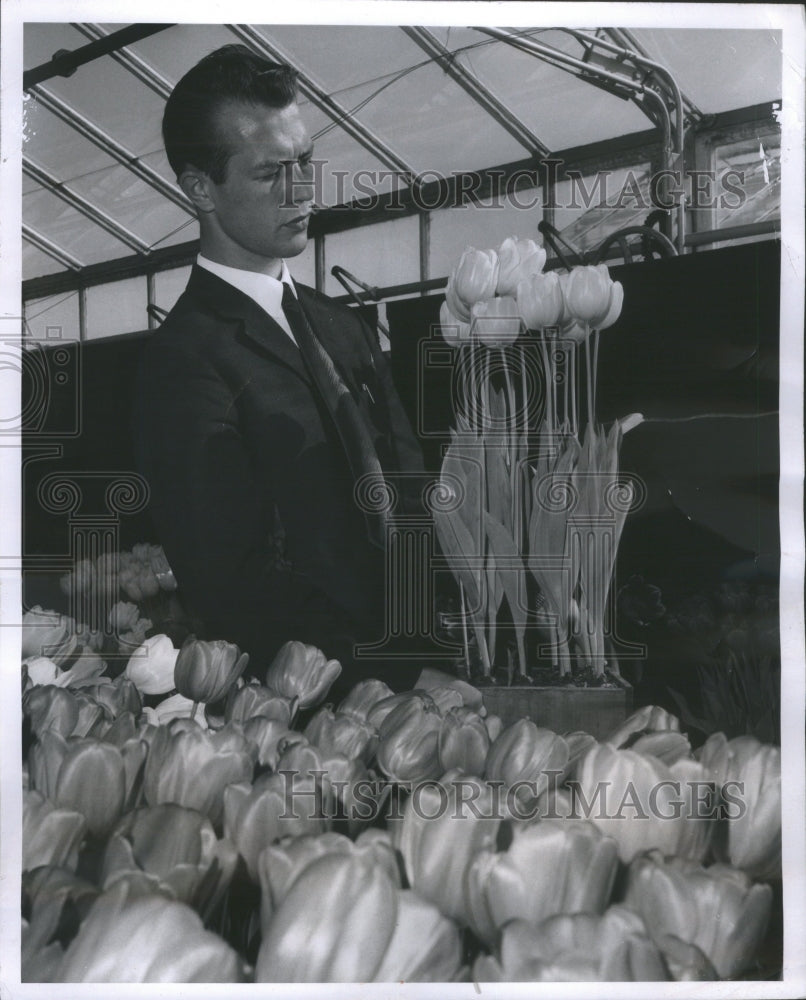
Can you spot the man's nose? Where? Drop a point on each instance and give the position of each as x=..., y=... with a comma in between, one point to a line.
x=301, y=183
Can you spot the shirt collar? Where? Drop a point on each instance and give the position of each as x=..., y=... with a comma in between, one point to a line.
x=265, y=290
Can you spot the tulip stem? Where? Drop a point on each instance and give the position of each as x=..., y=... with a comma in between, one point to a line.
x=595, y=365
x=193, y=711
x=588, y=373
x=465, y=640
x=547, y=379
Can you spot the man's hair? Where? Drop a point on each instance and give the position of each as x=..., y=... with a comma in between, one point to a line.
x=230, y=74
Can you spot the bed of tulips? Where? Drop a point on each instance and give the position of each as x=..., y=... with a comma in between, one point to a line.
x=182, y=824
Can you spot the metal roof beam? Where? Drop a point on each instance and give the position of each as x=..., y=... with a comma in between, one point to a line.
x=446, y=59
x=51, y=249
x=133, y=63
x=340, y=115
x=111, y=147
x=86, y=208
x=65, y=63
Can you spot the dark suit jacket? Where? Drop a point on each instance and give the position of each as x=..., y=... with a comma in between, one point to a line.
x=236, y=446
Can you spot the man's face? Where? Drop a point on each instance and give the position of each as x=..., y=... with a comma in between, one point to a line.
x=260, y=210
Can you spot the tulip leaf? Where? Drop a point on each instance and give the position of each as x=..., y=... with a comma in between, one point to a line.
x=510, y=579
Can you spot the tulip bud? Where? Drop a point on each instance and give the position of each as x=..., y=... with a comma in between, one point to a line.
x=526, y=758
x=587, y=294
x=258, y=815
x=443, y=829
x=454, y=306
x=303, y=672
x=384, y=707
x=192, y=766
x=334, y=925
x=83, y=775
x=649, y=719
x=495, y=322
x=267, y=735
x=41, y=670
x=50, y=835
x=553, y=866
x=519, y=260
x=175, y=845
x=754, y=833
x=255, y=699
x=333, y=732
x=205, y=671
x=430, y=679
x=151, y=666
x=52, y=708
x=453, y=330
x=165, y=942
x=494, y=726
x=540, y=300
x=116, y=697
x=579, y=744
x=718, y=909
x=474, y=278
x=408, y=741
x=363, y=697
x=178, y=707
x=463, y=741
x=425, y=946
x=49, y=634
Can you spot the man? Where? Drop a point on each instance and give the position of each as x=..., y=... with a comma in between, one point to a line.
x=249, y=433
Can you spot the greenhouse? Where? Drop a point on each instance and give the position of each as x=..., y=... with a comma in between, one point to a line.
x=404, y=475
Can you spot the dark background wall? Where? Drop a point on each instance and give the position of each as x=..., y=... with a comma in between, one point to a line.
x=698, y=335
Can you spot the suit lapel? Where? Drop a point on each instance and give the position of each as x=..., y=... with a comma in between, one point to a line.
x=231, y=304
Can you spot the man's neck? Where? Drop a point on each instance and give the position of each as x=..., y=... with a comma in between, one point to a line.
x=273, y=267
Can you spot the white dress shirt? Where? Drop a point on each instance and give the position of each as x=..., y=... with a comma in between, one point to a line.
x=262, y=288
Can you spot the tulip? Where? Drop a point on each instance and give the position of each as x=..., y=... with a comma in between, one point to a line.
x=454, y=331
x=494, y=725
x=303, y=672
x=526, y=757
x=254, y=699
x=614, y=308
x=116, y=697
x=42, y=670
x=463, y=741
x=333, y=776
x=384, y=707
x=446, y=697
x=52, y=708
x=148, y=939
x=408, y=741
x=496, y=322
x=430, y=679
x=579, y=947
x=553, y=866
x=256, y=816
x=178, y=847
x=754, y=831
x=266, y=735
x=49, y=894
x=205, y=671
x=177, y=707
x=474, y=278
x=333, y=732
x=718, y=909
x=280, y=864
x=540, y=301
x=50, y=835
x=454, y=306
x=192, y=766
x=161, y=569
x=363, y=697
x=588, y=294
x=151, y=666
x=644, y=804
x=519, y=260
x=668, y=747
x=90, y=777
x=443, y=828
x=334, y=925
x=47, y=633
x=649, y=719
x=579, y=744
x=425, y=946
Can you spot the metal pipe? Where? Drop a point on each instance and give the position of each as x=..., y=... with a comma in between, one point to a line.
x=86, y=208
x=81, y=124
x=51, y=249
x=766, y=228
x=65, y=63
x=446, y=59
x=131, y=62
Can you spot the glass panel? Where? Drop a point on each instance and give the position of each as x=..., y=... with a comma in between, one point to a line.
x=52, y=319
x=36, y=263
x=755, y=179
x=719, y=69
x=483, y=224
x=386, y=253
x=174, y=51
x=68, y=228
x=592, y=207
x=169, y=285
x=119, y=307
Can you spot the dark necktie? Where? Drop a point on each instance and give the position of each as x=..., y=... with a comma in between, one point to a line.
x=350, y=424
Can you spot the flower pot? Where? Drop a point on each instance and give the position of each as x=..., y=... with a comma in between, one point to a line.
x=566, y=708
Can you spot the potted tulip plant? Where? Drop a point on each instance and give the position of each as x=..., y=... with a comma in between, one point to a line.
x=533, y=504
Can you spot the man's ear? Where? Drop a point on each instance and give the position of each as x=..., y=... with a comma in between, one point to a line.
x=196, y=186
